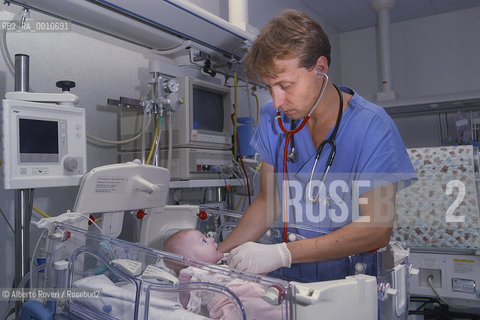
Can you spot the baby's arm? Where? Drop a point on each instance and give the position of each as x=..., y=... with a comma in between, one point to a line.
x=184, y=295
x=191, y=302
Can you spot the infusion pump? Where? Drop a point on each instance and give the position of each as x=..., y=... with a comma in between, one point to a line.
x=44, y=144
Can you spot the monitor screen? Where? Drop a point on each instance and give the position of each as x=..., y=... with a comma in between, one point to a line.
x=208, y=113
x=38, y=136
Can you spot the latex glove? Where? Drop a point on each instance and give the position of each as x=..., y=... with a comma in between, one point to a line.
x=259, y=258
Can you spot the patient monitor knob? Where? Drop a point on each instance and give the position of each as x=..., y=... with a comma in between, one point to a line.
x=70, y=164
x=65, y=85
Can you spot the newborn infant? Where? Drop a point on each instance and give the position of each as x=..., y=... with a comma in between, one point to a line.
x=194, y=244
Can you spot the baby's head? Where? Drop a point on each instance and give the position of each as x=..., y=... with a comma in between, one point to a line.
x=193, y=244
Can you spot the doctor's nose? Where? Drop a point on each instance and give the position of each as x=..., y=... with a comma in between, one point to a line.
x=278, y=99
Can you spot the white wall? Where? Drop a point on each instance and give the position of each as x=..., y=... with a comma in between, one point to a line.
x=430, y=56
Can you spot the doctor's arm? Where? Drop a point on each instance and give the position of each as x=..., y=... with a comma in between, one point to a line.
x=259, y=216
x=371, y=231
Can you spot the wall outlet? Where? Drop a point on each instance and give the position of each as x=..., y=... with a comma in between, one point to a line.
x=425, y=273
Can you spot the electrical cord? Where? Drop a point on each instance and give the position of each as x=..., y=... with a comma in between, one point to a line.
x=135, y=137
x=244, y=171
x=6, y=220
x=40, y=212
x=6, y=53
x=440, y=298
x=45, y=215
x=152, y=148
x=258, y=107
x=234, y=116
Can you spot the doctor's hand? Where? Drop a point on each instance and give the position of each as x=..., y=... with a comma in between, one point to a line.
x=259, y=258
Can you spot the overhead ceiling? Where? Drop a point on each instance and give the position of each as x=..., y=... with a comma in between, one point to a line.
x=348, y=15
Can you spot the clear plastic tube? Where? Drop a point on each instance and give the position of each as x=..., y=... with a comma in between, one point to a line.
x=22, y=283
x=170, y=142
x=34, y=255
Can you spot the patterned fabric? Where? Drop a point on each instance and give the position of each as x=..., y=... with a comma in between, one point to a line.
x=441, y=209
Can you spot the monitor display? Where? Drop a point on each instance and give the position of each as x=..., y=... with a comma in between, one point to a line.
x=38, y=136
x=208, y=113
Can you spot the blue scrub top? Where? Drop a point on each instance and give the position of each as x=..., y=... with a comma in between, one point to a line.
x=369, y=153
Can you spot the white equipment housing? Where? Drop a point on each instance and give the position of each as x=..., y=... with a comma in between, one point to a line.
x=204, y=118
x=156, y=24
x=455, y=276
x=44, y=144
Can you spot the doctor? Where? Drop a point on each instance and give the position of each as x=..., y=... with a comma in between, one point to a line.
x=332, y=163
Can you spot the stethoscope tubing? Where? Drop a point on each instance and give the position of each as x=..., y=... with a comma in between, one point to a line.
x=289, y=135
x=330, y=140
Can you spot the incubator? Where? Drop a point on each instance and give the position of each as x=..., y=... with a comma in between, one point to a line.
x=103, y=277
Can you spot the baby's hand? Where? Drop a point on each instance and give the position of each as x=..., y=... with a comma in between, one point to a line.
x=184, y=277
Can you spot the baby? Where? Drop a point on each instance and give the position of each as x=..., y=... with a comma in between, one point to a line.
x=194, y=244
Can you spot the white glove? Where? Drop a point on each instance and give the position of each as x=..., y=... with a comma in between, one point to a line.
x=259, y=258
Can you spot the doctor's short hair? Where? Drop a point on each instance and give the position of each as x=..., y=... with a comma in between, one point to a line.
x=290, y=34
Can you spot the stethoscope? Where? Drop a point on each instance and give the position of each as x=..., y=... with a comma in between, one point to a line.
x=292, y=155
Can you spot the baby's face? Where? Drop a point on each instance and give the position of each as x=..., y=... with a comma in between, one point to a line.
x=201, y=247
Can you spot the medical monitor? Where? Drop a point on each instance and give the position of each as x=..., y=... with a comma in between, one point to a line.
x=43, y=144
x=203, y=119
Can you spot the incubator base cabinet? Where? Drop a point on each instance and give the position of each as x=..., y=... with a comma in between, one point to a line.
x=108, y=278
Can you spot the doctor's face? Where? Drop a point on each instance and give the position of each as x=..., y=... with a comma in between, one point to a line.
x=201, y=247
x=295, y=89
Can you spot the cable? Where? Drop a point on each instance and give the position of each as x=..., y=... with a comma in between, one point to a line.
x=258, y=106
x=93, y=221
x=40, y=212
x=152, y=148
x=9, y=62
x=236, y=175
x=235, y=82
x=89, y=219
x=136, y=137
x=170, y=141
x=244, y=171
x=242, y=198
x=146, y=110
x=429, y=279
x=6, y=220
